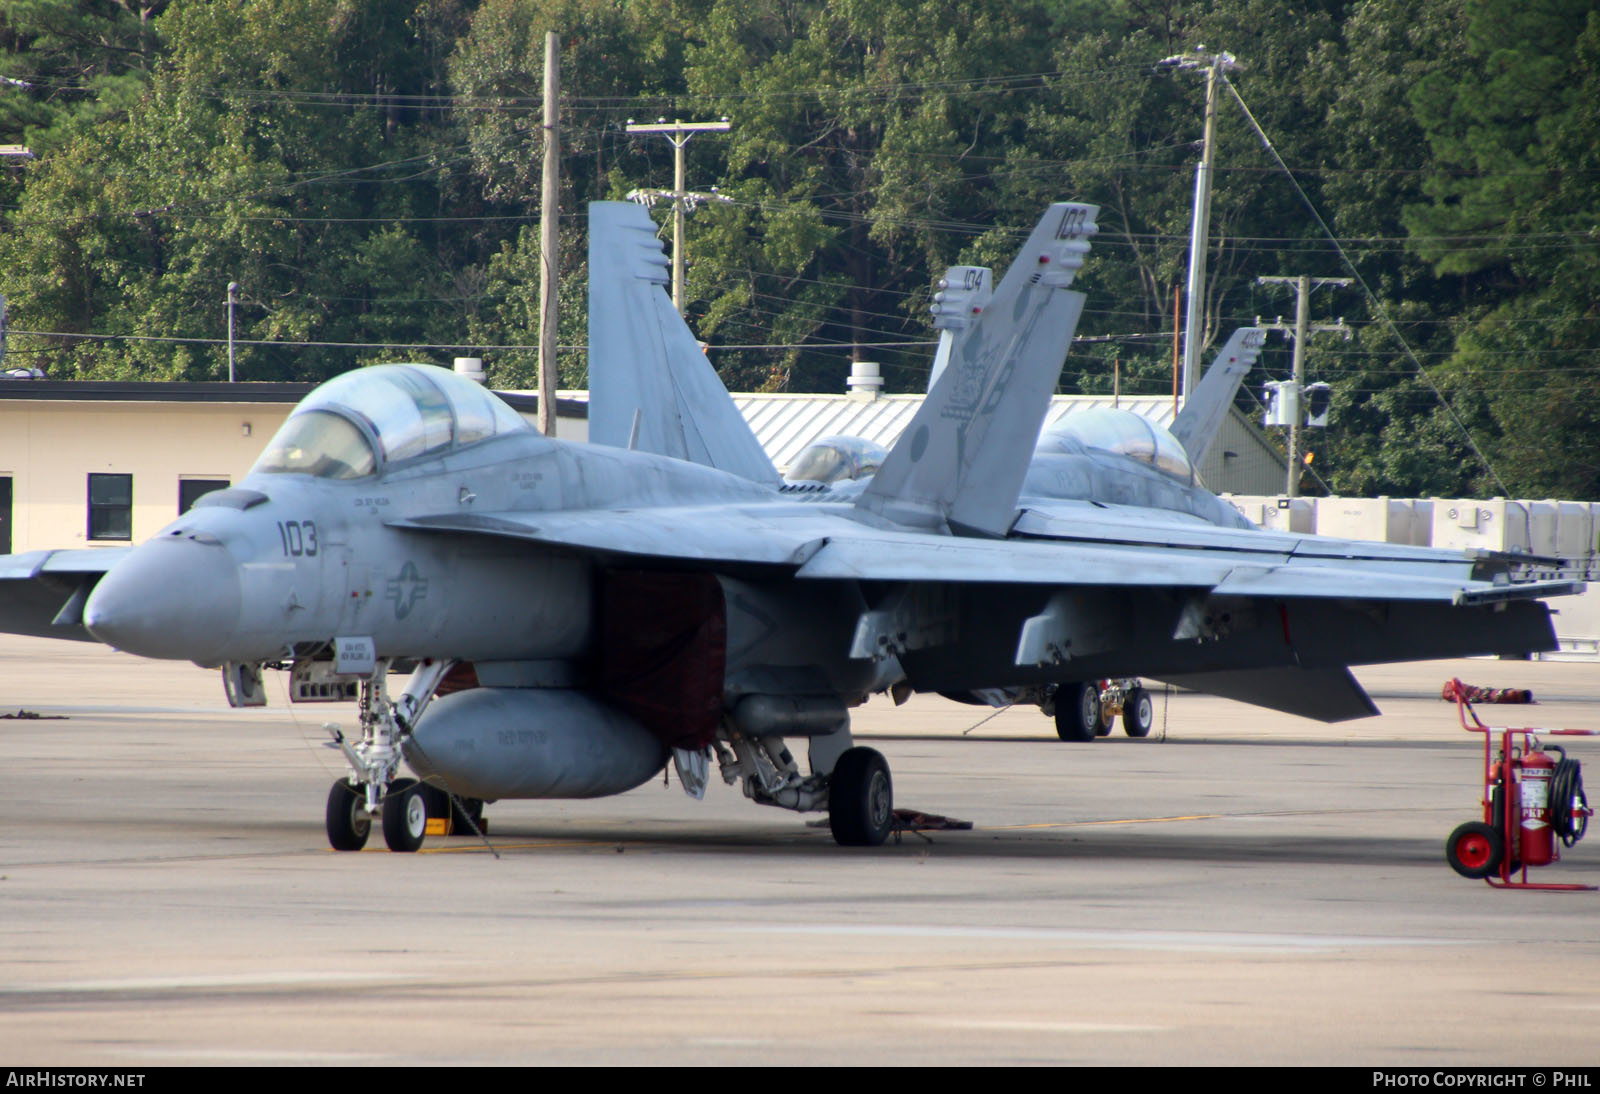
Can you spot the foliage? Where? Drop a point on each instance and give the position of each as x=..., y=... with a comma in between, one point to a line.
x=368, y=175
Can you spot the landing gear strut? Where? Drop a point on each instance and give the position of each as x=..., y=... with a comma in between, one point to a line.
x=857, y=793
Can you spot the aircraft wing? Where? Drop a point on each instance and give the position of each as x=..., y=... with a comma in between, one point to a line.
x=42, y=592
x=1280, y=564
x=814, y=544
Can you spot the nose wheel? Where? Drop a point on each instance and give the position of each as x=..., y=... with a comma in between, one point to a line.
x=349, y=823
x=405, y=816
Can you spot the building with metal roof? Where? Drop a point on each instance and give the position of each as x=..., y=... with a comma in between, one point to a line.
x=1243, y=461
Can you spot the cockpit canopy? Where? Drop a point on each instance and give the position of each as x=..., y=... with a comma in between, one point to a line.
x=836, y=459
x=1120, y=432
x=386, y=412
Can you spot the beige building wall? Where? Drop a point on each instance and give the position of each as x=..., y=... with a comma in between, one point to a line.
x=49, y=448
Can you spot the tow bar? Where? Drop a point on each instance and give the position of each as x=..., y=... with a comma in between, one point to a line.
x=1529, y=802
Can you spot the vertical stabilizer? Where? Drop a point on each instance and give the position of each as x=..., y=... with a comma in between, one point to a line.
x=1200, y=420
x=962, y=459
x=963, y=293
x=651, y=387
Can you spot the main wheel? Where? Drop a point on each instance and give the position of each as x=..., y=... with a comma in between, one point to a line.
x=1138, y=713
x=405, y=816
x=348, y=822
x=1078, y=712
x=1107, y=720
x=860, y=799
x=1475, y=849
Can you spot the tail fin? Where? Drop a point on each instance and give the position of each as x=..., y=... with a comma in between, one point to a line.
x=650, y=385
x=964, y=291
x=962, y=459
x=1201, y=418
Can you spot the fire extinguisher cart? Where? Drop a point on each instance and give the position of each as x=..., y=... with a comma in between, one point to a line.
x=1531, y=802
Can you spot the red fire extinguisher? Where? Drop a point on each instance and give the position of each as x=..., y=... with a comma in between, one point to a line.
x=1535, y=836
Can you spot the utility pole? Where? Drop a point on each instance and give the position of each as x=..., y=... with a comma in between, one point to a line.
x=1302, y=329
x=549, y=237
x=1215, y=65
x=679, y=133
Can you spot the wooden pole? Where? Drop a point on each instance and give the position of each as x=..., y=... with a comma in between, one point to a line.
x=549, y=237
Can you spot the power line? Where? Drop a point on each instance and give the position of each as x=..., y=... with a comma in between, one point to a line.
x=1372, y=298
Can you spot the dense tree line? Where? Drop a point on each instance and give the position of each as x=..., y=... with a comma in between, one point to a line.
x=368, y=175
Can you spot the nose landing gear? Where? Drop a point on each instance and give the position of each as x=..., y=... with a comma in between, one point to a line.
x=371, y=791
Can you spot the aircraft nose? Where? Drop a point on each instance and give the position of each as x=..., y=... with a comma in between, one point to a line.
x=173, y=597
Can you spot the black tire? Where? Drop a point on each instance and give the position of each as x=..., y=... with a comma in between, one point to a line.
x=860, y=799
x=405, y=816
x=347, y=819
x=1138, y=713
x=1078, y=712
x=1475, y=849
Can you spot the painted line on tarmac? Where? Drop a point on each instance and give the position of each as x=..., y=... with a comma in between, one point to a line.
x=998, y=1025
x=221, y=980
x=479, y=849
x=1097, y=823
x=1204, y=816
x=1166, y=941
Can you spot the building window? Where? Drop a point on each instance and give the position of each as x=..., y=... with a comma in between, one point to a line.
x=192, y=490
x=110, y=506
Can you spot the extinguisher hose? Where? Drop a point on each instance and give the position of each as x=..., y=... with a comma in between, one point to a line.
x=1569, y=806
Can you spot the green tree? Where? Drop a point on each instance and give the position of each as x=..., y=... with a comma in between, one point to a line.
x=301, y=185
x=1509, y=215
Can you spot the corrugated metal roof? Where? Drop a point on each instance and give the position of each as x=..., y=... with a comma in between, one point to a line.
x=1243, y=461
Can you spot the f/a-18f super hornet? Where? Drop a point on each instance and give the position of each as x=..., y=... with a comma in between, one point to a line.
x=577, y=616
x=1101, y=478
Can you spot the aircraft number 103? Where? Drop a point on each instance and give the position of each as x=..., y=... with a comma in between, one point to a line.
x=299, y=537
x=1073, y=220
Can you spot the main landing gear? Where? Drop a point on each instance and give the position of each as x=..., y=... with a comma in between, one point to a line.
x=858, y=792
x=1089, y=710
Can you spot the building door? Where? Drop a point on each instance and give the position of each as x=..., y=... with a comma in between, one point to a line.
x=5, y=515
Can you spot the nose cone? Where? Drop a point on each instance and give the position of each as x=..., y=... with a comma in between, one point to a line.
x=172, y=597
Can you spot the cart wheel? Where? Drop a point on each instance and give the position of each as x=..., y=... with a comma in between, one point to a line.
x=1475, y=849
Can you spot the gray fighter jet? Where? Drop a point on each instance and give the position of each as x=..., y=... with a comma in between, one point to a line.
x=1101, y=478
x=577, y=616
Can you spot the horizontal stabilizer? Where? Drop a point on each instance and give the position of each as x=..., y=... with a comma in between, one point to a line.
x=1327, y=695
x=651, y=387
x=961, y=461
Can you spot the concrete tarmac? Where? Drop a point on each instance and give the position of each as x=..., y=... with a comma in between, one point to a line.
x=1252, y=889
